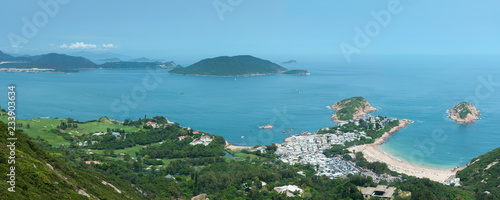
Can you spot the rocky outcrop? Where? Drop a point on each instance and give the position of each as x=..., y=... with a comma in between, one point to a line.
x=464, y=112
x=267, y=127
x=351, y=108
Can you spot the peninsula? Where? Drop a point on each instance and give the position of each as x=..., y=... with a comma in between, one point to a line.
x=243, y=65
x=464, y=112
x=351, y=108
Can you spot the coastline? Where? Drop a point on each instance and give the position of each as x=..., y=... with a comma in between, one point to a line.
x=233, y=147
x=372, y=152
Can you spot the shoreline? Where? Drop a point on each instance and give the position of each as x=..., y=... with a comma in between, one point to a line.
x=372, y=152
x=233, y=147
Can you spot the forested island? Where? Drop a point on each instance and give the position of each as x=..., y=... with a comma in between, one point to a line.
x=54, y=62
x=464, y=112
x=243, y=65
x=351, y=108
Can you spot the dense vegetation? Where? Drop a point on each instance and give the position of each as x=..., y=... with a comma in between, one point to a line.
x=462, y=109
x=231, y=66
x=349, y=106
x=39, y=175
x=483, y=174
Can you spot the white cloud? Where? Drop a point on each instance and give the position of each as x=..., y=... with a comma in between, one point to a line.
x=78, y=45
x=108, y=46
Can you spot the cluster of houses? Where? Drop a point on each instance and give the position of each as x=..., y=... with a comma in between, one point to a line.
x=95, y=162
x=204, y=140
x=85, y=143
x=378, y=122
x=309, y=149
x=153, y=124
x=289, y=190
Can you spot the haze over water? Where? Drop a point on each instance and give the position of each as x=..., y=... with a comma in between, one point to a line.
x=419, y=88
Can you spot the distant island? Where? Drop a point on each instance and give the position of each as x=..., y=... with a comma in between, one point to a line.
x=290, y=62
x=243, y=65
x=351, y=108
x=464, y=112
x=54, y=62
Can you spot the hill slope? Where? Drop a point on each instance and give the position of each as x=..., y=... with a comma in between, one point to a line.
x=483, y=173
x=244, y=65
x=59, y=62
x=39, y=175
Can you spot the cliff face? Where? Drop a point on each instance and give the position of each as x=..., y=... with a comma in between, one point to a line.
x=464, y=112
x=351, y=108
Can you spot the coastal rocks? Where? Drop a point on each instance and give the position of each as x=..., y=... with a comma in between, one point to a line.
x=351, y=108
x=464, y=112
x=267, y=127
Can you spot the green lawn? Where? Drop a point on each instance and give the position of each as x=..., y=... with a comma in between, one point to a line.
x=100, y=126
x=131, y=151
x=41, y=128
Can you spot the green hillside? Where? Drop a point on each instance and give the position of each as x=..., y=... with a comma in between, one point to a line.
x=59, y=62
x=483, y=174
x=231, y=66
x=462, y=109
x=39, y=175
x=348, y=107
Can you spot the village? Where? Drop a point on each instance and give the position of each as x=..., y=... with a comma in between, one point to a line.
x=309, y=148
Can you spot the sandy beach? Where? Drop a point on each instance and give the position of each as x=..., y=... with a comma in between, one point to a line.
x=372, y=152
x=236, y=148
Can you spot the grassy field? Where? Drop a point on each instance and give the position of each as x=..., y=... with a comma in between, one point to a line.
x=100, y=125
x=130, y=151
x=42, y=128
x=243, y=156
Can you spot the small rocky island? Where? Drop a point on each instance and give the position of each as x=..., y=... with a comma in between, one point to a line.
x=268, y=126
x=464, y=112
x=351, y=108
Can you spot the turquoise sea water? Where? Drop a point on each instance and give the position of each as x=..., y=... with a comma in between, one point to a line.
x=417, y=88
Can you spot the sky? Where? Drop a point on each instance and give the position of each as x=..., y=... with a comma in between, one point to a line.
x=207, y=28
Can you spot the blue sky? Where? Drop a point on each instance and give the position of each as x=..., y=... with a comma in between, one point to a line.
x=194, y=28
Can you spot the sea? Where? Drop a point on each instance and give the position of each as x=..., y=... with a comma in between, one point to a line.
x=420, y=88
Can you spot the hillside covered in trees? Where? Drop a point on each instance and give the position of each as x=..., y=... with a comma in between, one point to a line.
x=243, y=65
